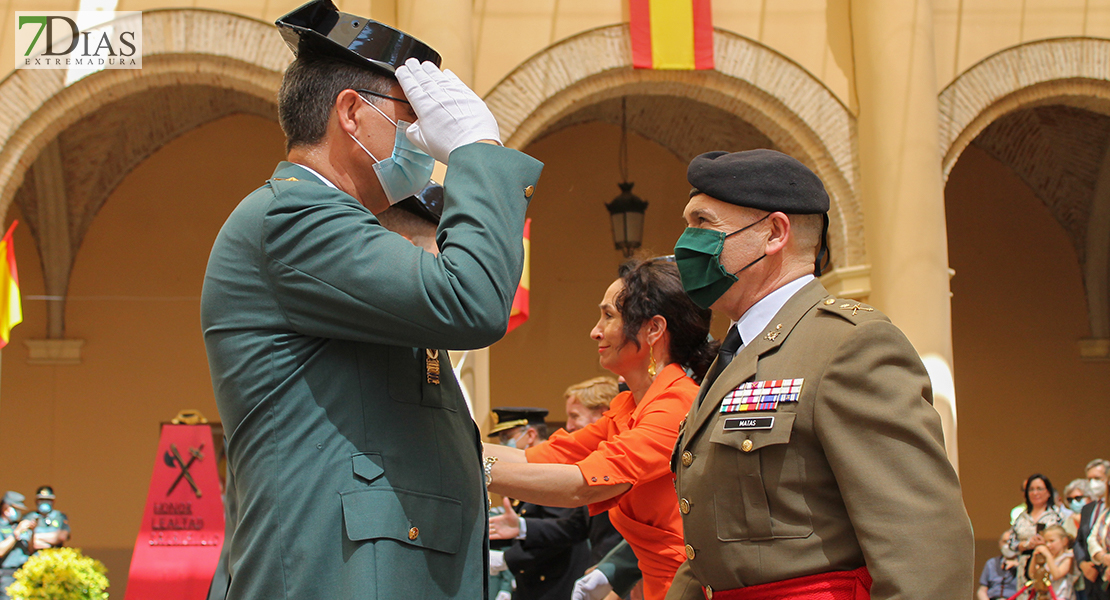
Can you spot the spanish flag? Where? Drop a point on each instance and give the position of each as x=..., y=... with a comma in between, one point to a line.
x=671, y=34
x=11, y=311
x=519, y=313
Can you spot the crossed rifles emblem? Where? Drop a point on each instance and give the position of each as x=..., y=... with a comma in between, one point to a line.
x=174, y=457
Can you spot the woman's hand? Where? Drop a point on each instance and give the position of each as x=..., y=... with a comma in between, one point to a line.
x=1033, y=542
x=505, y=526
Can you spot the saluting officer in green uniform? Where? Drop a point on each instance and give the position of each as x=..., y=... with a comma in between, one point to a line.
x=51, y=524
x=813, y=458
x=354, y=465
x=16, y=539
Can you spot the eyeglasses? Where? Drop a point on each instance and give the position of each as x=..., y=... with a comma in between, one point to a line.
x=380, y=95
x=1076, y=497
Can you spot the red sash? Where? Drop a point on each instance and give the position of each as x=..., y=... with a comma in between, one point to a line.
x=838, y=585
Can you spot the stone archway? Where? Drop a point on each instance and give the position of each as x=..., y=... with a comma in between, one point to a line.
x=752, y=82
x=199, y=65
x=1067, y=72
x=230, y=51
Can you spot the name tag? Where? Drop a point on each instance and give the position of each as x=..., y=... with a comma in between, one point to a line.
x=749, y=423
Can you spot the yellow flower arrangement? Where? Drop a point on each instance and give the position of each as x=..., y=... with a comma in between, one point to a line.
x=60, y=574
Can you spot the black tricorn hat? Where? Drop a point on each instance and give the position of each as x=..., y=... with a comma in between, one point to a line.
x=426, y=204
x=319, y=28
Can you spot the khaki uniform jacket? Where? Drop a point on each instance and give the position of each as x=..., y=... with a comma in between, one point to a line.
x=351, y=474
x=852, y=474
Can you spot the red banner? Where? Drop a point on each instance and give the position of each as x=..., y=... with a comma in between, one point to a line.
x=183, y=524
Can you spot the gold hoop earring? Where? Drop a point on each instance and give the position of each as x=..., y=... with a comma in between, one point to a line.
x=651, y=361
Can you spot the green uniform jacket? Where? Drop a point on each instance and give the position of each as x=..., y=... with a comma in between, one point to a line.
x=351, y=474
x=852, y=474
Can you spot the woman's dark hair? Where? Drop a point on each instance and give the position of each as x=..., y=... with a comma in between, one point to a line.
x=308, y=92
x=1047, y=486
x=653, y=287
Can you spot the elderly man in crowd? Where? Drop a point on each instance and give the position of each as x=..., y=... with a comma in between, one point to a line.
x=1089, y=515
x=813, y=457
x=354, y=465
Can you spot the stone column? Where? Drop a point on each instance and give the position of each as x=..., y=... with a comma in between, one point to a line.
x=447, y=26
x=901, y=185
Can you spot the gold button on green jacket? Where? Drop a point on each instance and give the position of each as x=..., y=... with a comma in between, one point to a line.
x=352, y=473
x=851, y=474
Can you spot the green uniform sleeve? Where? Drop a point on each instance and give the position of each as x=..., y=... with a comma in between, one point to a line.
x=336, y=273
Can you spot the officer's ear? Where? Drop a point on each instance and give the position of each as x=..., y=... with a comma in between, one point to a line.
x=347, y=110
x=780, y=233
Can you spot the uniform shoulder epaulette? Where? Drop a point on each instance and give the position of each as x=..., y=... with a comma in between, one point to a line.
x=850, y=310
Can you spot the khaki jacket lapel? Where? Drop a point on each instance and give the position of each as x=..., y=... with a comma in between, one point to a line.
x=743, y=368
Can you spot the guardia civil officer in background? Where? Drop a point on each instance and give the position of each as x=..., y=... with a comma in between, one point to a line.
x=812, y=458
x=51, y=525
x=354, y=466
x=16, y=539
x=550, y=548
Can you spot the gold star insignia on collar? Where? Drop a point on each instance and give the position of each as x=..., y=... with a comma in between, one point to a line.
x=856, y=308
x=771, y=335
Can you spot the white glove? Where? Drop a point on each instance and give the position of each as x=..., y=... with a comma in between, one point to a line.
x=448, y=114
x=496, y=562
x=591, y=586
x=503, y=596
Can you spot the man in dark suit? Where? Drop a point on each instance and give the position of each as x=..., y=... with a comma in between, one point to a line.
x=1092, y=572
x=549, y=546
x=812, y=458
x=354, y=465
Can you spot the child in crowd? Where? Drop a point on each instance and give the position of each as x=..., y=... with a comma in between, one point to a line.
x=1059, y=561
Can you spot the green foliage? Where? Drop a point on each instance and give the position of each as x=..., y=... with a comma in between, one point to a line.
x=60, y=574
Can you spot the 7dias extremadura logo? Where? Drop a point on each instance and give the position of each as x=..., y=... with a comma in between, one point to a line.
x=78, y=40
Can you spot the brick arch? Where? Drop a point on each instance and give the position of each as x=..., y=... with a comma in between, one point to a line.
x=181, y=47
x=1073, y=71
x=751, y=82
x=1069, y=71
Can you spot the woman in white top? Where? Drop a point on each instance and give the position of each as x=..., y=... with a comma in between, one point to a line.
x=1040, y=512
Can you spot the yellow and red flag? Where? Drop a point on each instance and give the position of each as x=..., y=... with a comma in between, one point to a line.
x=671, y=34
x=11, y=310
x=519, y=313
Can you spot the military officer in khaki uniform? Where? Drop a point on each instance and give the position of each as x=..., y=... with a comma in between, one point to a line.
x=812, y=459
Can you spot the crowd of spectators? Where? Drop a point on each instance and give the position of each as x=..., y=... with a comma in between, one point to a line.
x=1056, y=540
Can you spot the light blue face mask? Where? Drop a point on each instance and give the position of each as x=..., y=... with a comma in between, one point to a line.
x=512, y=443
x=407, y=171
x=1077, y=504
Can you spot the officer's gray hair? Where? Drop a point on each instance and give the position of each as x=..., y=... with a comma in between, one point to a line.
x=1098, y=462
x=308, y=92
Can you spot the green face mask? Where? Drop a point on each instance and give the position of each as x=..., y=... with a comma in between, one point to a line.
x=698, y=255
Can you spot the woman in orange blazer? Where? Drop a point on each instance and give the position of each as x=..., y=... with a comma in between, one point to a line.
x=649, y=333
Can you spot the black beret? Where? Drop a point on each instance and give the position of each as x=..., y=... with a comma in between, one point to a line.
x=318, y=28
x=761, y=179
x=509, y=417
